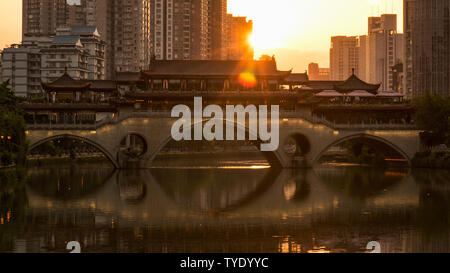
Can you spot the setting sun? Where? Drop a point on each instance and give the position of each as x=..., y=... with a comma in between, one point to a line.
x=304, y=29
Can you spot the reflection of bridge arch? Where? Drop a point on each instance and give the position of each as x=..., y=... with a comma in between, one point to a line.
x=79, y=138
x=387, y=148
x=268, y=180
x=34, y=183
x=274, y=158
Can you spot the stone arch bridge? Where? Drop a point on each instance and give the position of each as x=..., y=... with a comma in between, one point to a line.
x=312, y=137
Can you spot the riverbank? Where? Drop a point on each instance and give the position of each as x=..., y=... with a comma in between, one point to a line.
x=429, y=160
x=438, y=160
x=56, y=160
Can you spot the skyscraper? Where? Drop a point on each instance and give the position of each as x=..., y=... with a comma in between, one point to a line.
x=188, y=29
x=384, y=50
x=124, y=26
x=43, y=17
x=129, y=33
x=344, y=57
x=217, y=23
x=236, y=41
x=180, y=29
x=427, y=47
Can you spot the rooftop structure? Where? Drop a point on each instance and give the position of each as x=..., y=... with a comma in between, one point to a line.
x=68, y=89
x=215, y=75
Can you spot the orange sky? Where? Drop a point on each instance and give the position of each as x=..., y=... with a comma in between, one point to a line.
x=296, y=31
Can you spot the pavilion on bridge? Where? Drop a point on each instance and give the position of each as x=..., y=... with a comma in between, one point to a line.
x=65, y=89
x=219, y=76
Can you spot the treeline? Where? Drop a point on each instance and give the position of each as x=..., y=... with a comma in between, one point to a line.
x=432, y=114
x=13, y=144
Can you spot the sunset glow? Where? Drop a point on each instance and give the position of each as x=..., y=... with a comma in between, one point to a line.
x=296, y=31
x=247, y=79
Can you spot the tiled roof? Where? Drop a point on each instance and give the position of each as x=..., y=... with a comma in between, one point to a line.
x=65, y=82
x=354, y=83
x=105, y=85
x=214, y=68
x=297, y=78
x=128, y=76
x=323, y=85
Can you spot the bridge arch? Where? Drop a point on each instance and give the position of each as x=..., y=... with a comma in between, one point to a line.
x=373, y=139
x=99, y=147
x=300, y=141
x=274, y=158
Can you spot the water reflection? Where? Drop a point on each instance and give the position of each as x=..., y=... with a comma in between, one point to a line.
x=13, y=204
x=132, y=186
x=215, y=190
x=323, y=210
x=69, y=182
x=297, y=189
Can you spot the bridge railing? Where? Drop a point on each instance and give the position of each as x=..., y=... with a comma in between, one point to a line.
x=165, y=114
x=70, y=126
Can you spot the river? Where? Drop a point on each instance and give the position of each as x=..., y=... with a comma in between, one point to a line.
x=238, y=208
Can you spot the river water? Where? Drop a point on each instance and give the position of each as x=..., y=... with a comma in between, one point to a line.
x=245, y=207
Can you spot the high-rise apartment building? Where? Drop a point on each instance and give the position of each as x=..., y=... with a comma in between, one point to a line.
x=189, y=29
x=373, y=57
x=383, y=50
x=344, y=57
x=180, y=29
x=427, y=47
x=217, y=28
x=129, y=36
x=237, y=39
x=124, y=25
x=43, y=17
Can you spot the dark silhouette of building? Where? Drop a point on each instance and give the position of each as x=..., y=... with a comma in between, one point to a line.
x=427, y=52
x=237, y=38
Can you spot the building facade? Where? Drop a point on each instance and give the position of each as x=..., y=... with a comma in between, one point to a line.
x=77, y=51
x=22, y=65
x=427, y=47
x=180, y=29
x=189, y=29
x=123, y=25
x=93, y=45
x=43, y=17
x=316, y=73
x=372, y=56
x=129, y=41
x=383, y=50
x=217, y=28
x=344, y=57
x=237, y=38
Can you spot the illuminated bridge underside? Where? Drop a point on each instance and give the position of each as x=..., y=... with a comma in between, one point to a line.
x=156, y=131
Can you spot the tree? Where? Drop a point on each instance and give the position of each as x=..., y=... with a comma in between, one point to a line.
x=432, y=114
x=13, y=145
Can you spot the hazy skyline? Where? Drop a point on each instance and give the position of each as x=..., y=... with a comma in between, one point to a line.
x=296, y=31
